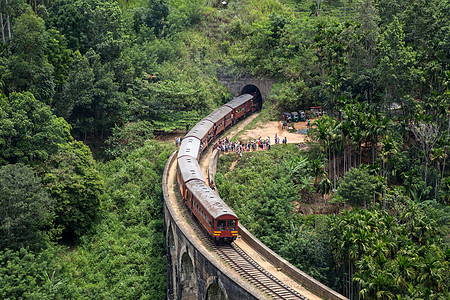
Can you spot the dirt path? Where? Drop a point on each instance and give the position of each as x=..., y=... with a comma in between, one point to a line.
x=271, y=128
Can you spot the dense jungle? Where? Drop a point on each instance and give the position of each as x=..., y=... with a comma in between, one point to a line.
x=92, y=93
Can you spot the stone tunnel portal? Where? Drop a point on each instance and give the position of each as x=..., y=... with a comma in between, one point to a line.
x=250, y=89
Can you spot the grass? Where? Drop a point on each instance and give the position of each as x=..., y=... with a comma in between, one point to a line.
x=268, y=113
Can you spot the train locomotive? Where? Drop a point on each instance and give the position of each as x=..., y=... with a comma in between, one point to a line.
x=212, y=212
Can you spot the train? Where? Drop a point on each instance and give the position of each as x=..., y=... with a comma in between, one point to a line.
x=216, y=217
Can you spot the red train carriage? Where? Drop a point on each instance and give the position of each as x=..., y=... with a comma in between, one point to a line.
x=203, y=130
x=188, y=169
x=221, y=119
x=190, y=146
x=241, y=105
x=214, y=215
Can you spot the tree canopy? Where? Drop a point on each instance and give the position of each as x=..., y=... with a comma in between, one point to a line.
x=29, y=132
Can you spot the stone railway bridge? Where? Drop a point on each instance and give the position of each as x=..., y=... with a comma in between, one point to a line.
x=192, y=272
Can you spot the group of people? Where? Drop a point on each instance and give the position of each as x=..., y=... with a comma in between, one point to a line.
x=225, y=145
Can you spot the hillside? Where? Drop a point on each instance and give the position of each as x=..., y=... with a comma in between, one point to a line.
x=89, y=87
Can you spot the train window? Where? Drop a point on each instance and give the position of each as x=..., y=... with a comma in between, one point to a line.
x=220, y=225
x=231, y=225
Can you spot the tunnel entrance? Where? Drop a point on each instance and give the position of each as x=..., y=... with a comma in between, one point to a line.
x=214, y=292
x=253, y=89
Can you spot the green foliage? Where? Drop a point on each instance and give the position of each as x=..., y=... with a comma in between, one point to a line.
x=29, y=275
x=358, y=186
x=185, y=14
x=77, y=91
x=397, y=63
x=124, y=257
x=309, y=251
x=29, y=69
x=154, y=14
x=154, y=66
x=128, y=138
x=26, y=210
x=29, y=132
x=388, y=254
x=89, y=24
x=76, y=187
x=292, y=96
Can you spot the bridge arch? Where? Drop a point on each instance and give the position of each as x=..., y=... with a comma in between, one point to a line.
x=215, y=290
x=171, y=241
x=171, y=259
x=188, y=279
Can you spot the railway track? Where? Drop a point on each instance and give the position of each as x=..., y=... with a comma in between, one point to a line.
x=254, y=273
x=246, y=267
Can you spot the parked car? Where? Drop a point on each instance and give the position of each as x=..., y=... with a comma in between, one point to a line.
x=294, y=116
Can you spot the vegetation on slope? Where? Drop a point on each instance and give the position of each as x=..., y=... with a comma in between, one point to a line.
x=112, y=74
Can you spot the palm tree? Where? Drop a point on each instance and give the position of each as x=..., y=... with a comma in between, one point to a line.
x=433, y=271
x=405, y=269
x=319, y=132
x=324, y=188
x=438, y=155
x=317, y=169
x=335, y=138
x=294, y=166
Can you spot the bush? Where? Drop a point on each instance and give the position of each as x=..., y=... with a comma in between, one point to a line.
x=358, y=186
x=25, y=208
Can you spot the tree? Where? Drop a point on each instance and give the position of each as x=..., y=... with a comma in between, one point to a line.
x=153, y=15
x=26, y=210
x=29, y=68
x=358, y=186
x=131, y=136
x=9, y=10
x=29, y=132
x=77, y=91
x=369, y=18
x=427, y=135
x=324, y=188
x=76, y=187
x=90, y=24
x=397, y=66
x=27, y=274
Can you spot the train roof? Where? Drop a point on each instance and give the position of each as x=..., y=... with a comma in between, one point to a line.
x=189, y=146
x=218, y=114
x=209, y=199
x=200, y=129
x=238, y=101
x=190, y=169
